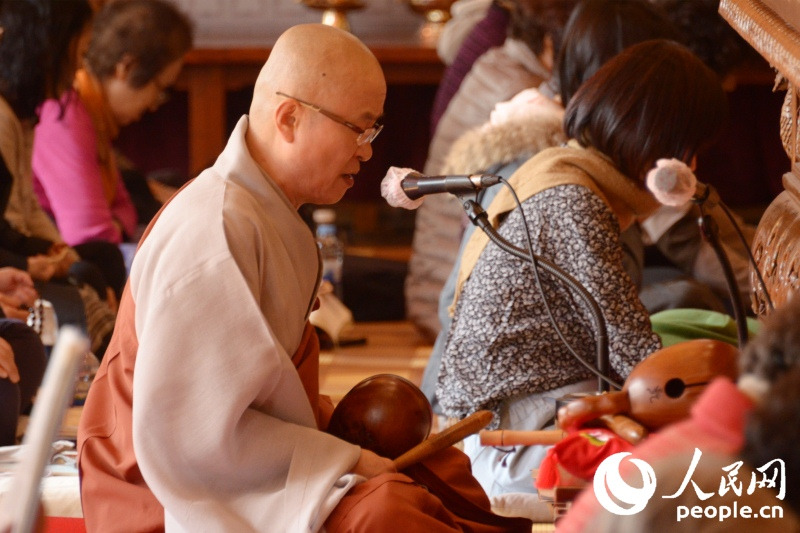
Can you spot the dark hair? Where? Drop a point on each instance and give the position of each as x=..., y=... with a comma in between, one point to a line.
x=706, y=33
x=35, y=48
x=532, y=20
x=653, y=100
x=776, y=348
x=22, y=53
x=152, y=32
x=598, y=30
x=772, y=431
x=68, y=18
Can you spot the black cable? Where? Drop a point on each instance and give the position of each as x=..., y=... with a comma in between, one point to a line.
x=708, y=229
x=479, y=218
x=750, y=257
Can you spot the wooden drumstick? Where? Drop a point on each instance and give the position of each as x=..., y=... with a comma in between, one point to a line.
x=504, y=437
x=624, y=426
x=464, y=428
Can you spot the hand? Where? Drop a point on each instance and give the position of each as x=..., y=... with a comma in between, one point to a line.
x=11, y=308
x=19, y=285
x=40, y=267
x=8, y=369
x=371, y=464
x=62, y=257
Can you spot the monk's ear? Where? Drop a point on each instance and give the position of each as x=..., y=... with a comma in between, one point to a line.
x=286, y=120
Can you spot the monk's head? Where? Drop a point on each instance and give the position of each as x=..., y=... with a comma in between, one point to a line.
x=316, y=108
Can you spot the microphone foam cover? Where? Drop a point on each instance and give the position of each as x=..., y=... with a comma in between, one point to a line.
x=672, y=182
x=392, y=189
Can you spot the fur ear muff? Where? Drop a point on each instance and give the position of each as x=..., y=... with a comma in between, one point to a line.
x=672, y=182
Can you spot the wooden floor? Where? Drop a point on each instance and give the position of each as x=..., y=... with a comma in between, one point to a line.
x=390, y=348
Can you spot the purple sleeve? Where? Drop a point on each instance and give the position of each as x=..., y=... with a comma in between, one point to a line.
x=488, y=33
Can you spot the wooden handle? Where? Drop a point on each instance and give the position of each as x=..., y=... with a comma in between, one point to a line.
x=504, y=437
x=624, y=426
x=472, y=424
x=577, y=412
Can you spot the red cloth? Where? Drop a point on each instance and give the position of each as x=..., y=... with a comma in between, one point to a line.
x=110, y=476
x=60, y=524
x=579, y=454
x=716, y=425
x=395, y=502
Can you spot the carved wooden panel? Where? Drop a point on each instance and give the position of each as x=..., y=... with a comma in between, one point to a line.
x=770, y=26
x=775, y=248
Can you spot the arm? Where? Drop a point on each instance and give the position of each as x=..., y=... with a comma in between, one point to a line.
x=501, y=322
x=591, y=250
x=681, y=242
x=17, y=284
x=465, y=14
x=65, y=165
x=240, y=432
x=21, y=244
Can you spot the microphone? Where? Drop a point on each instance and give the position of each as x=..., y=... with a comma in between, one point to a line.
x=673, y=183
x=405, y=187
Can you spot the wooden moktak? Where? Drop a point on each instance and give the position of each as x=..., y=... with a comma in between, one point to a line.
x=390, y=416
x=660, y=390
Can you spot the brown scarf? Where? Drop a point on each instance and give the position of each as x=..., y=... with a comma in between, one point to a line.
x=570, y=165
x=106, y=129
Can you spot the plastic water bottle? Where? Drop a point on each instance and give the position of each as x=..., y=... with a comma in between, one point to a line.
x=86, y=371
x=331, y=248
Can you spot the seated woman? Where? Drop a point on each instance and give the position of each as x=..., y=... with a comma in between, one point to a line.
x=597, y=30
x=524, y=60
x=654, y=100
x=135, y=53
x=39, y=50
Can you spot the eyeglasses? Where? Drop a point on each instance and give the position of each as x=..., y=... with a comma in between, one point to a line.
x=364, y=136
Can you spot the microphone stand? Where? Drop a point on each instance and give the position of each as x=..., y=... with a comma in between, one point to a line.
x=479, y=218
x=710, y=233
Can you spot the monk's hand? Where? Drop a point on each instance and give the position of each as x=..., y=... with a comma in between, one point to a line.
x=371, y=464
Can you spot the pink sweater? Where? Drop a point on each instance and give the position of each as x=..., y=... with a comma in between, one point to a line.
x=67, y=177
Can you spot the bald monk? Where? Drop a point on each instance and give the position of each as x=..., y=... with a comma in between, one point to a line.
x=205, y=415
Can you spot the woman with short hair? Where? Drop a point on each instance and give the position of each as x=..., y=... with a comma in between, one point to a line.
x=654, y=100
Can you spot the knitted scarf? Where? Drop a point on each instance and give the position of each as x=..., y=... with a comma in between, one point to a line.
x=105, y=126
x=569, y=165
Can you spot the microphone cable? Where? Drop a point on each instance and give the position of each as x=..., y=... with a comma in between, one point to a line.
x=751, y=259
x=478, y=217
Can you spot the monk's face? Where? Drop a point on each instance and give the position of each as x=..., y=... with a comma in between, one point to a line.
x=328, y=150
